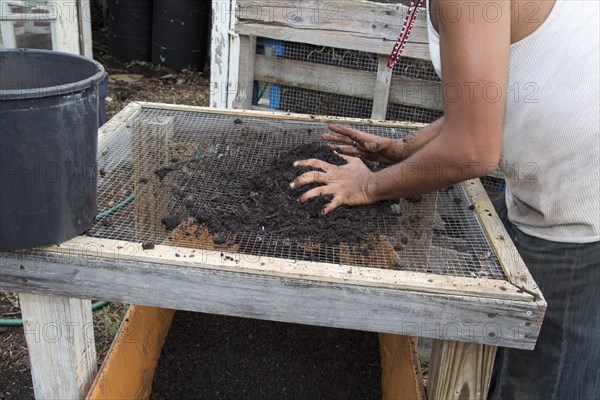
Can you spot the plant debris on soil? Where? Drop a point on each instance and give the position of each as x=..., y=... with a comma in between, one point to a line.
x=272, y=207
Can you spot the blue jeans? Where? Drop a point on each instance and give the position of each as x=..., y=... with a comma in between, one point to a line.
x=565, y=363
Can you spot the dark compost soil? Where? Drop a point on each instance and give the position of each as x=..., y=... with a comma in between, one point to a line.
x=214, y=357
x=269, y=204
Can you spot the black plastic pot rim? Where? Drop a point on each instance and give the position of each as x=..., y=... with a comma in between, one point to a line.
x=67, y=88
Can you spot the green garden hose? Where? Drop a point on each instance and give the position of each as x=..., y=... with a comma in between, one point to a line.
x=19, y=322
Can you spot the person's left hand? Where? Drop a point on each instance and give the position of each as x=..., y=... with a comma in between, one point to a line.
x=346, y=183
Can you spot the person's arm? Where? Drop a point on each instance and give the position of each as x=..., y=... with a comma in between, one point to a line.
x=475, y=55
x=353, y=142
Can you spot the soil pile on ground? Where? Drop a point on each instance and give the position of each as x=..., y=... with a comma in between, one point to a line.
x=271, y=207
x=215, y=357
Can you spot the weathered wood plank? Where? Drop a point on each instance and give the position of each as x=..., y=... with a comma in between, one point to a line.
x=116, y=122
x=512, y=263
x=381, y=92
x=60, y=339
x=121, y=251
x=306, y=75
x=349, y=82
x=300, y=300
x=342, y=40
x=284, y=115
x=347, y=24
x=220, y=47
x=234, y=63
x=128, y=369
x=460, y=370
x=245, y=87
x=150, y=151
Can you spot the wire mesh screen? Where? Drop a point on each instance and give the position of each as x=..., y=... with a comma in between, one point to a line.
x=202, y=155
x=321, y=101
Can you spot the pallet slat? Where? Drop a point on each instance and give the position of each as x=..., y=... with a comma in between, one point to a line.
x=349, y=82
x=334, y=24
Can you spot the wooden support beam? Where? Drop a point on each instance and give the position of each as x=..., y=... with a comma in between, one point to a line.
x=60, y=338
x=128, y=369
x=245, y=87
x=401, y=376
x=220, y=47
x=460, y=370
x=198, y=287
x=381, y=93
x=151, y=138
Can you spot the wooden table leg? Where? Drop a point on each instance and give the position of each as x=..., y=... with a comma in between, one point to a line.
x=401, y=376
x=128, y=369
x=460, y=370
x=60, y=339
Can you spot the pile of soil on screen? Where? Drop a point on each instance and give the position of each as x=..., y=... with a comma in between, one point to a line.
x=272, y=207
x=214, y=357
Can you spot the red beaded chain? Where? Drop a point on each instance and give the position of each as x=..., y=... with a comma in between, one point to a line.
x=409, y=21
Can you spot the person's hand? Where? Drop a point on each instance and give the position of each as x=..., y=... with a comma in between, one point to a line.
x=356, y=143
x=346, y=183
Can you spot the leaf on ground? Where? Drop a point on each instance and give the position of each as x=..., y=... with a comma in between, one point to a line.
x=128, y=78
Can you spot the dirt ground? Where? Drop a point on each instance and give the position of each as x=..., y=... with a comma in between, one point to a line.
x=128, y=82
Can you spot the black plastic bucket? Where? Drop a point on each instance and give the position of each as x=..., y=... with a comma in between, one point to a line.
x=48, y=146
x=180, y=33
x=130, y=27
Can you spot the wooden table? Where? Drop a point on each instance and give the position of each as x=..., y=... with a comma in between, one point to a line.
x=466, y=317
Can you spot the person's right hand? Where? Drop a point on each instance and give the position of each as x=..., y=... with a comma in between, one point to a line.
x=356, y=143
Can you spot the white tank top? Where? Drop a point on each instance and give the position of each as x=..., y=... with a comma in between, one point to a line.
x=551, y=137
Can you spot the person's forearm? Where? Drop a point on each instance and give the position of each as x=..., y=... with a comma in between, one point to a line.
x=440, y=162
x=408, y=146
